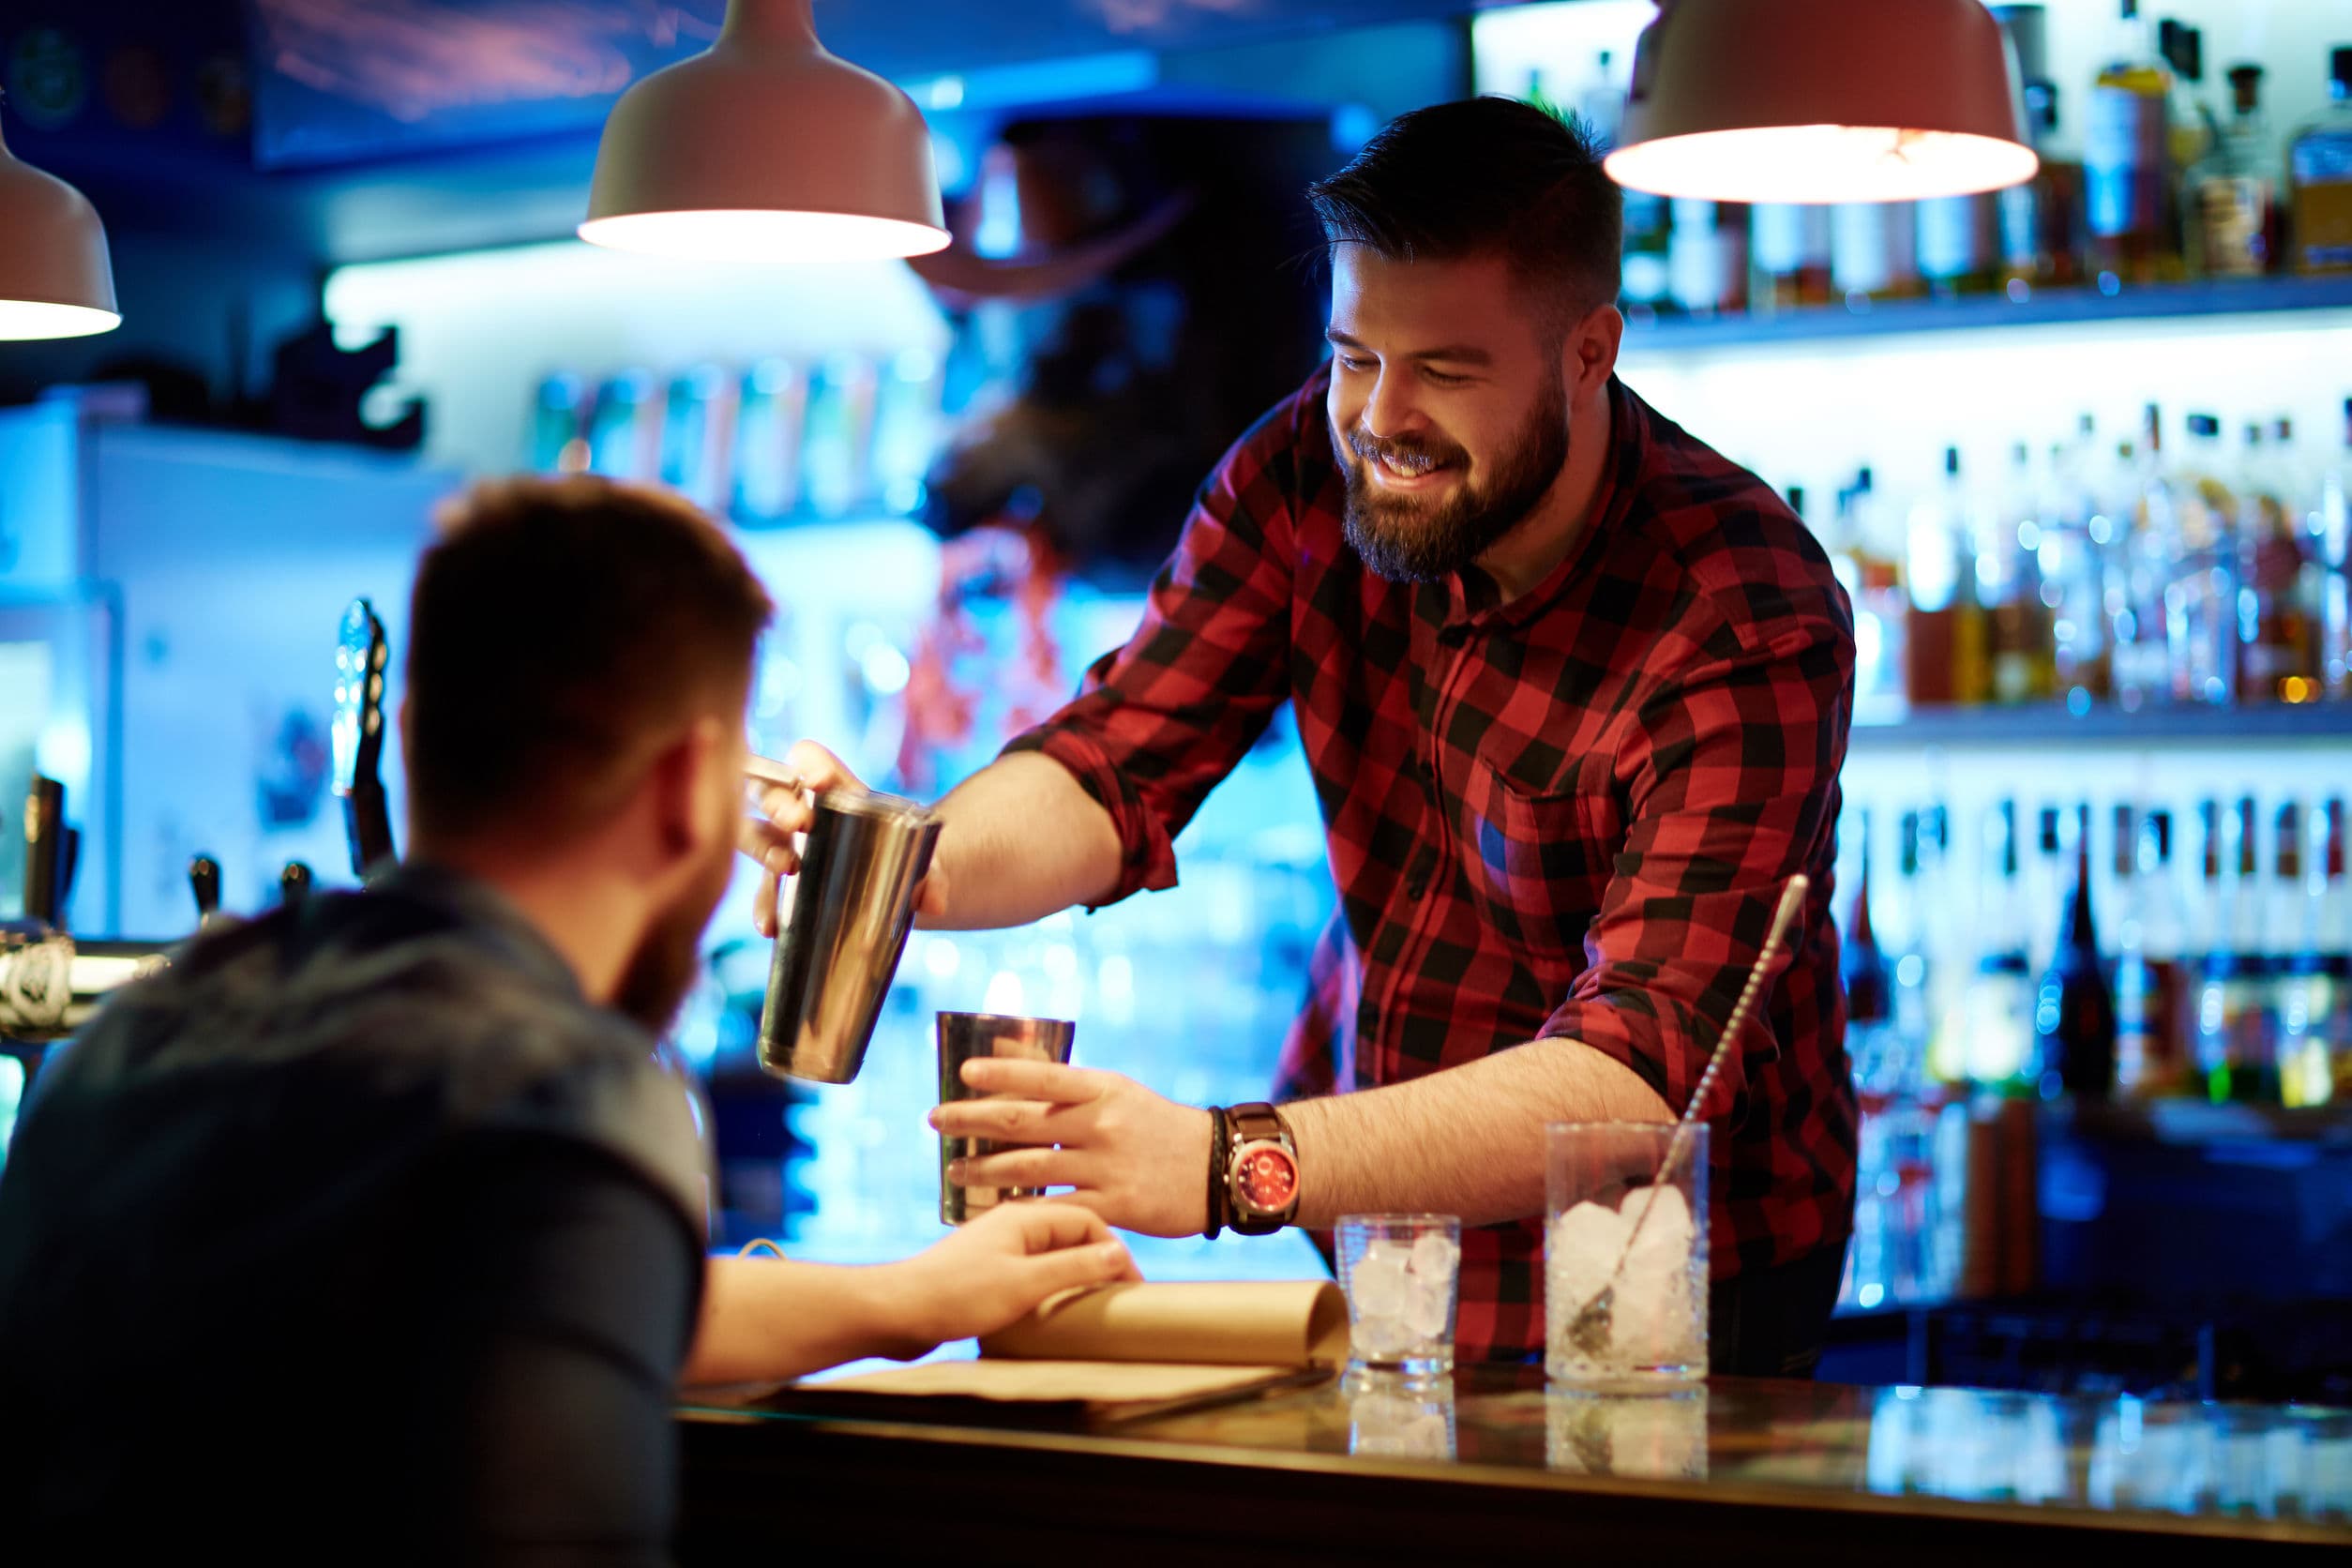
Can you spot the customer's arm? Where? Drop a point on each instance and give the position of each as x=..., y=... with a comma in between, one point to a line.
x=765, y=1319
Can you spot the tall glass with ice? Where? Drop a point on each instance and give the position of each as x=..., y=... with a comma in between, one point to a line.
x=1600, y=1194
x=1402, y=1274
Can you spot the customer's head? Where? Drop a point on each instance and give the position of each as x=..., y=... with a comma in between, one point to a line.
x=578, y=658
x=1474, y=278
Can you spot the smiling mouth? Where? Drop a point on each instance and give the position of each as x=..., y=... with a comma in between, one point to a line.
x=1407, y=468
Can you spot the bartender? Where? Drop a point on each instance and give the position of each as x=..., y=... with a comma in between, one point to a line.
x=1574, y=691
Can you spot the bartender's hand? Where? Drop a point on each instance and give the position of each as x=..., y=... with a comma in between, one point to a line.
x=1138, y=1160
x=771, y=839
x=1001, y=1266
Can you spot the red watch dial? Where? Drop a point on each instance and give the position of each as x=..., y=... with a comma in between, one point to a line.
x=1269, y=1179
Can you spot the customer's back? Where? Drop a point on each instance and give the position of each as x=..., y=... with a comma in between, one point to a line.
x=370, y=1230
x=359, y=1233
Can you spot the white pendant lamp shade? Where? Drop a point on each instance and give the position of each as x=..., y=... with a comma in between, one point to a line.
x=1820, y=100
x=56, y=281
x=766, y=148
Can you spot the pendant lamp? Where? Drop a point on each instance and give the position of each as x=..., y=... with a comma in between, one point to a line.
x=54, y=278
x=1820, y=100
x=765, y=148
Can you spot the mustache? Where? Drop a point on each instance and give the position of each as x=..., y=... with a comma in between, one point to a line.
x=1403, y=452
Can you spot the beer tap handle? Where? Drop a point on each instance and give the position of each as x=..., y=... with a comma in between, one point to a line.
x=294, y=882
x=203, y=880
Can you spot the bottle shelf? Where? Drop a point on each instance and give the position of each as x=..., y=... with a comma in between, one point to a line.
x=1976, y=312
x=2318, y=723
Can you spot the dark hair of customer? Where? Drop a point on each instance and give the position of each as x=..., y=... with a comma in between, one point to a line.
x=557, y=631
x=1484, y=176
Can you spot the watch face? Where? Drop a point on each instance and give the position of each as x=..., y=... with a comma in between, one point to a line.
x=1268, y=1179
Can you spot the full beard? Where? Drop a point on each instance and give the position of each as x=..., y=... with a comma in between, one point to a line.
x=661, y=972
x=1408, y=538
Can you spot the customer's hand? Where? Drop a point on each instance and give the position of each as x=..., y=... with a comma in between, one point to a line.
x=1138, y=1160
x=772, y=836
x=1001, y=1266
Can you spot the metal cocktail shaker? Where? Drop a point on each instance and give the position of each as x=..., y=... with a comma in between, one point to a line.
x=853, y=905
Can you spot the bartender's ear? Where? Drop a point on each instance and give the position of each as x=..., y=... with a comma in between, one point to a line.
x=686, y=778
x=1587, y=354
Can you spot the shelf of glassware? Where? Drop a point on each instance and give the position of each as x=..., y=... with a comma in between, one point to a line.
x=2097, y=724
x=2019, y=306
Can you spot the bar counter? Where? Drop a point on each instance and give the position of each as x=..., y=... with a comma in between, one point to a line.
x=1495, y=1466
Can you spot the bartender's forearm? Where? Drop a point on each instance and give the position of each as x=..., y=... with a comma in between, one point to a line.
x=1468, y=1140
x=765, y=1319
x=1024, y=839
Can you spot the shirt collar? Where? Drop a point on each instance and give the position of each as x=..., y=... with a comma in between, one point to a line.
x=469, y=904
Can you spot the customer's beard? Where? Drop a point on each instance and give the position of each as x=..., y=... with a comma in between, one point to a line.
x=1406, y=540
x=659, y=974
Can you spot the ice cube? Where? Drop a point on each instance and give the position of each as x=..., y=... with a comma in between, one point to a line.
x=1426, y=1302
x=1376, y=1285
x=1652, y=1310
x=1666, y=1232
x=1378, y=1338
x=1581, y=1250
x=1434, y=1256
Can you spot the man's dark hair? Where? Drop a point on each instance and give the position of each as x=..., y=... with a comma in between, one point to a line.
x=559, y=632
x=1487, y=176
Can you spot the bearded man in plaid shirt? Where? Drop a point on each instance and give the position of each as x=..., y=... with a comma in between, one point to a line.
x=1574, y=690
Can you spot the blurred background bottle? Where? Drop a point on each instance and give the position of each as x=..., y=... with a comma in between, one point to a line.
x=2319, y=178
x=2232, y=202
x=2126, y=158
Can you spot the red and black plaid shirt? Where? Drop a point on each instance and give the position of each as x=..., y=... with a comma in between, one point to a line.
x=1569, y=815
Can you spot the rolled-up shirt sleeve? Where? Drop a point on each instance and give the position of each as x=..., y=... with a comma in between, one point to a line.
x=1731, y=789
x=1161, y=720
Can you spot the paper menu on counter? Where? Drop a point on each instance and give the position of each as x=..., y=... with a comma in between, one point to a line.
x=1113, y=1353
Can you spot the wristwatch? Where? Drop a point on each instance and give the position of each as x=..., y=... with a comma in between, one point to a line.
x=1262, y=1170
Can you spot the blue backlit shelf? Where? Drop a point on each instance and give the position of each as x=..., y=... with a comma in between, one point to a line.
x=1978, y=312
x=2318, y=724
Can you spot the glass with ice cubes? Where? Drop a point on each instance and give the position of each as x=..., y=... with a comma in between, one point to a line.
x=1401, y=1274
x=1599, y=1195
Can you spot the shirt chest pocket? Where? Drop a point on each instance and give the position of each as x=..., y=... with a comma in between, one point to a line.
x=1537, y=864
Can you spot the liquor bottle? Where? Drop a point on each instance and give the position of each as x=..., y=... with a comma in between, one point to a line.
x=2075, y=1018
x=1959, y=245
x=1645, y=276
x=1943, y=938
x=2315, y=993
x=1873, y=252
x=2045, y=894
x=2021, y=655
x=2232, y=202
x=1602, y=104
x=1707, y=259
x=2201, y=598
x=2126, y=157
x=2077, y=533
x=2190, y=128
x=2278, y=651
x=2041, y=219
x=2319, y=178
x=2151, y=980
x=1998, y=1028
x=1873, y=1045
x=1881, y=604
x=2235, y=1055
x=2137, y=571
x=1944, y=635
x=1788, y=245
x=1909, y=933
x=2328, y=524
